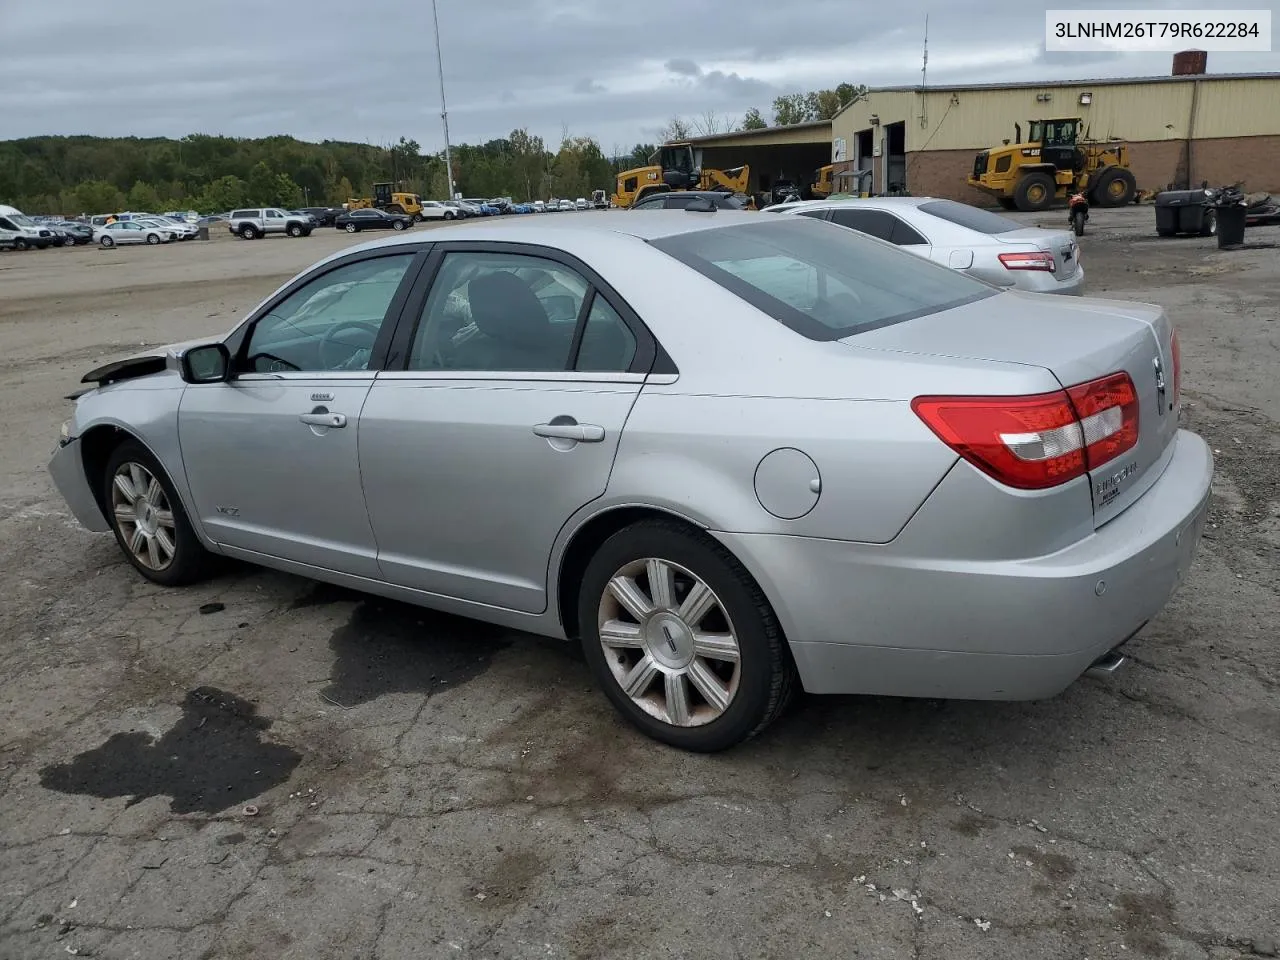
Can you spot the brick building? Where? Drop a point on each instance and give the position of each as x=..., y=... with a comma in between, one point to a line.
x=1181, y=129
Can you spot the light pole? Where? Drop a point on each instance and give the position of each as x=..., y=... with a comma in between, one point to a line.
x=444, y=110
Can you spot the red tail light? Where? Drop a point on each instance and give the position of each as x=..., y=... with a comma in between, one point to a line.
x=1177, y=372
x=1038, y=441
x=1035, y=260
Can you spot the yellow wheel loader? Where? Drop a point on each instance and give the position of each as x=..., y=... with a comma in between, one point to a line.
x=1053, y=163
x=388, y=199
x=674, y=167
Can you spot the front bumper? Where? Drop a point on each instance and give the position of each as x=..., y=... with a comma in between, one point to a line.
x=66, y=467
x=862, y=619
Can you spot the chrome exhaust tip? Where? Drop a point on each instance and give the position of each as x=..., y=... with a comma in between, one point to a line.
x=1107, y=665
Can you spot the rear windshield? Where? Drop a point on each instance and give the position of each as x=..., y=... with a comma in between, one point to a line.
x=824, y=282
x=983, y=221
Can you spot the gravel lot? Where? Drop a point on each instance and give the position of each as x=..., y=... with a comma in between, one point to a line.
x=430, y=787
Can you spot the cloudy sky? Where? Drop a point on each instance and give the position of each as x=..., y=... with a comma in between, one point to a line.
x=366, y=70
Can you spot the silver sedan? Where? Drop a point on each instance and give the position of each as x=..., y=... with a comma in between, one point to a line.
x=734, y=455
x=983, y=244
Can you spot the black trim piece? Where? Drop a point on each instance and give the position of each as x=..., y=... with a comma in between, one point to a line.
x=580, y=328
x=646, y=344
x=125, y=370
x=238, y=341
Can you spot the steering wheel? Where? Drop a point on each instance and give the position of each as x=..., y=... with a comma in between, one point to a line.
x=335, y=351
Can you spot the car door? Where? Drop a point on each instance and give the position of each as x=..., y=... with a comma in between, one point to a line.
x=273, y=221
x=519, y=369
x=128, y=232
x=271, y=455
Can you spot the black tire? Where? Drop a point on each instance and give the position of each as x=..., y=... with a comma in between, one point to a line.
x=449, y=215
x=190, y=561
x=153, y=238
x=1007, y=203
x=107, y=242
x=294, y=229
x=20, y=244
x=1116, y=187
x=352, y=228
x=766, y=680
x=1209, y=226
x=248, y=232
x=397, y=225
x=1077, y=223
x=1034, y=192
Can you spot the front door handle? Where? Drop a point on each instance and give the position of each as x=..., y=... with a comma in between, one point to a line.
x=324, y=419
x=579, y=432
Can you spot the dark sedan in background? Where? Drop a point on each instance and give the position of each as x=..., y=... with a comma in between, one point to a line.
x=325, y=216
x=353, y=221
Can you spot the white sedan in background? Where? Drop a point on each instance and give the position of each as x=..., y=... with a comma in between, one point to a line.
x=180, y=228
x=435, y=210
x=132, y=231
x=985, y=245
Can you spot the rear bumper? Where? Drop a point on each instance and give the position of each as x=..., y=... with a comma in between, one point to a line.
x=865, y=619
x=1073, y=286
x=66, y=467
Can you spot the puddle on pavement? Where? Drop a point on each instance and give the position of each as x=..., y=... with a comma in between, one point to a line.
x=212, y=759
x=387, y=647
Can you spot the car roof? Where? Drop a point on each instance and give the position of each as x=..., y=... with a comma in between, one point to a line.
x=888, y=202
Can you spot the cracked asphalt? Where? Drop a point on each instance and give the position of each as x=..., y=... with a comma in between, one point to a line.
x=303, y=772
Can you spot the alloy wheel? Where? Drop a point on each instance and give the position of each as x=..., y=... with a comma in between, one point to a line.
x=669, y=643
x=144, y=516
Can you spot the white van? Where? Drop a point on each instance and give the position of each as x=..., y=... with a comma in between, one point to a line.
x=18, y=231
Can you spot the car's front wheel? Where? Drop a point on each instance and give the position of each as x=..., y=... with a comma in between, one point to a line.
x=397, y=225
x=295, y=230
x=107, y=242
x=153, y=238
x=681, y=637
x=148, y=518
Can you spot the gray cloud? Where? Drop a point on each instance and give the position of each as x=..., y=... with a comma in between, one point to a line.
x=683, y=67
x=523, y=64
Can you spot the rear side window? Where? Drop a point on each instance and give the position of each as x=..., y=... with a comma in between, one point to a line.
x=983, y=221
x=822, y=281
x=244, y=214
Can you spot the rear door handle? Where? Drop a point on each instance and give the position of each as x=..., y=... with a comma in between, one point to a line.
x=324, y=419
x=580, y=432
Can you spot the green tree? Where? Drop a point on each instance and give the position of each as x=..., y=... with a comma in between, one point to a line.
x=342, y=192
x=225, y=193
x=143, y=196
x=97, y=196
x=790, y=108
x=753, y=120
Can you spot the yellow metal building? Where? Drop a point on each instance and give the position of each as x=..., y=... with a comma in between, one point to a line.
x=1182, y=129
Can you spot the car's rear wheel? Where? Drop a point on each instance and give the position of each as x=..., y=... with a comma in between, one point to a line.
x=148, y=518
x=248, y=232
x=681, y=637
x=352, y=228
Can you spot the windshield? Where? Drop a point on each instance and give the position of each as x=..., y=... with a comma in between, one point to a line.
x=822, y=281
x=983, y=221
x=22, y=220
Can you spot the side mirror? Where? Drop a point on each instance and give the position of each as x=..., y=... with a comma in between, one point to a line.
x=207, y=363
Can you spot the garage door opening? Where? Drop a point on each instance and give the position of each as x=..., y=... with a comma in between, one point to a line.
x=896, y=160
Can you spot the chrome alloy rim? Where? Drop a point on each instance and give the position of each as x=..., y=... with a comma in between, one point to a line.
x=669, y=642
x=144, y=516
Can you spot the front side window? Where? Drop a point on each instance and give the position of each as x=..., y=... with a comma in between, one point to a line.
x=274, y=215
x=496, y=312
x=330, y=323
x=822, y=282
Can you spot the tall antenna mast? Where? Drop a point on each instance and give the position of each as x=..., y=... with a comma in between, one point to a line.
x=924, y=78
x=444, y=110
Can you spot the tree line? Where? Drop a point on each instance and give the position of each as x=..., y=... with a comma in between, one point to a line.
x=86, y=175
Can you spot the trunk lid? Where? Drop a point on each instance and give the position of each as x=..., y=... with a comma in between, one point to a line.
x=1061, y=243
x=1077, y=342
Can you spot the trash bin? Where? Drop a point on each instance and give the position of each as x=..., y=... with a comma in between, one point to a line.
x=1180, y=211
x=1231, y=222
x=202, y=233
